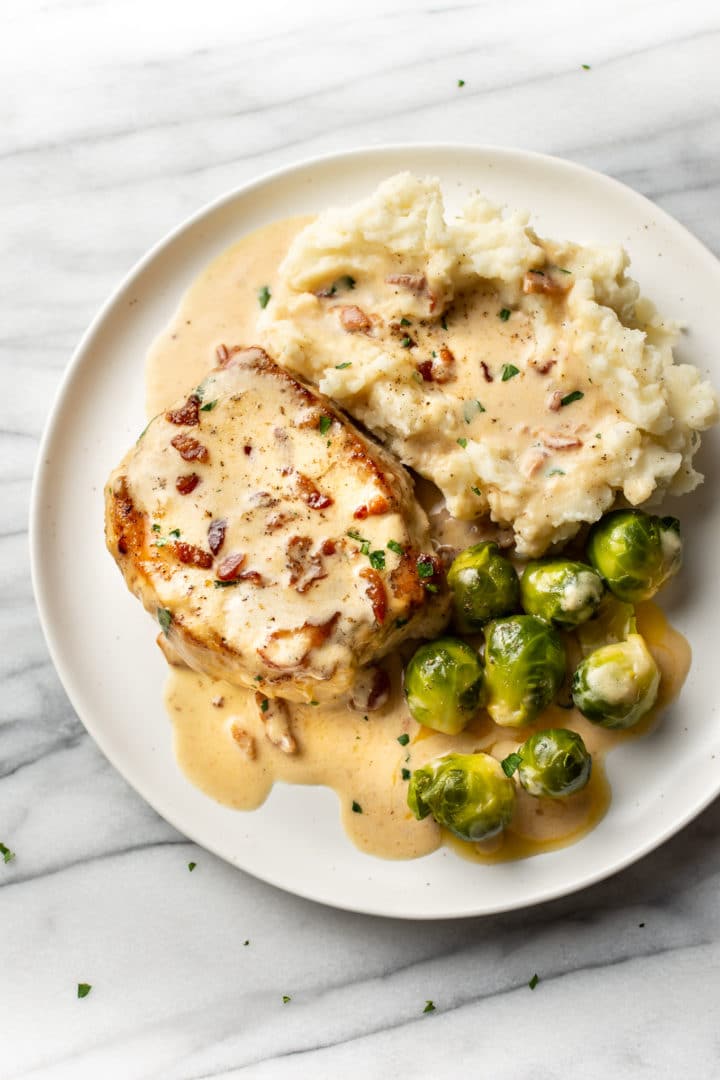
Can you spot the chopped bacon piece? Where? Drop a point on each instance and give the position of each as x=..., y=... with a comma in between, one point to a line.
x=376, y=593
x=192, y=555
x=311, y=495
x=354, y=319
x=245, y=741
x=405, y=583
x=305, y=569
x=189, y=449
x=415, y=282
x=229, y=569
x=532, y=460
x=554, y=401
x=425, y=368
x=544, y=281
x=440, y=369
x=186, y=484
x=486, y=371
x=222, y=354
x=328, y=547
x=216, y=534
x=561, y=442
x=276, y=721
x=544, y=366
x=252, y=576
x=278, y=520
x=288, y=650
x=186, y=414
x=377, y=506
x=371, y=690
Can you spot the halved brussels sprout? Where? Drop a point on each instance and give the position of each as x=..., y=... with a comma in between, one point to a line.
x=614, y=621
x=467, y=793
x=555, y=762
x=484, y=586
x=635, y=553
x=444, y=685
x=524, y=668
x=616, y=685
x=561, y=591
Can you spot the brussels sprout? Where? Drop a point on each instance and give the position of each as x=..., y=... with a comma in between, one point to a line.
x=524, y=668
x=635, y=553
x=554, y=762
x=484, y=586
x=616, y=685
x=614, y=621
x=444, y=685
x=561, y=591
x=467, y=793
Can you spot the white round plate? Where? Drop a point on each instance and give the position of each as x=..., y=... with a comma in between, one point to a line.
x=102, y=642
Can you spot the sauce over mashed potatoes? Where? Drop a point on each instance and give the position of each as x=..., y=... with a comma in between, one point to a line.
x=514, y=463
x=524, y=377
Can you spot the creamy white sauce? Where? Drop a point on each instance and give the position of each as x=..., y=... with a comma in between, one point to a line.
x=221, y=741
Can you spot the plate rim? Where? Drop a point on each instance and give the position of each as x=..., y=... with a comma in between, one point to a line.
x=40, y=582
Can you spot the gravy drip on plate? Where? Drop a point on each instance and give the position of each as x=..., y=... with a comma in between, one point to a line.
x=220, y=737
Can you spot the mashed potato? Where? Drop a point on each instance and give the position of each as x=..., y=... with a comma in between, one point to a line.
x=525, y=378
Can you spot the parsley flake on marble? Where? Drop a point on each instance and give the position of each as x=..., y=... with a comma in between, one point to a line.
x=429, y=1006
x=6, y=853
x=534, y=981
x=83, y=989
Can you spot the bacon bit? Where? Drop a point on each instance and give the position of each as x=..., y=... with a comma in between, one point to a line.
x=544, y=281
x=415, y=282
x=276, y=721
x=376, y=593
x=189, y=449
x=222, y=354
x=230, y=567
x=239, y=354
x=128, y=521
x=328, y=547
x=245, y=741
x=288, y=650
x=309, y=494
x=186, y=414
x=247, y=450
x=354, y=320
x=405, y=582
x=192, y=555
x=216, y=534
x=440, y=369
x=186, y=484
x=278, y=520
x=377, y=506
x=561, y=442
x=305, y=569
x=218, y=702
x=486, y=371
x=371, y=690
x=532, y=460
x=554, y=402
x=264, y=499
x=253, y=577
x=544, y=366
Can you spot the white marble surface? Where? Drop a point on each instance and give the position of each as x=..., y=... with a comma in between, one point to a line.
x=117, y=121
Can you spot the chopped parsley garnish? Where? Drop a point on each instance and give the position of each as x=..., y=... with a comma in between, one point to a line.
x=356, y=807
x=325, y=424
x=286, y=998
x=403, y=739
x=406, y=774
x=209, y=406
x=313, y=702
x=191, y=866
x=476, y=491
x=224, y=584
x=534, y=981
x=265, y=704
x=461, y=82
x=443, y=323
x=344, y=282
x=562, y=270
x=392, y=545
x=160, y=542
x=510, y=763
x=463, y=443
x=556, y=472
x=405, y=322
x=504, y=314
x=341, y=367
x=509, y=371
x=175, y=533
x=83, y=989
x=263, y=296
x=355, y=535
x=246, y=942
x=377, y=560
x=164, y=617
x=576, y=395
x=406, y=342
x=585, y=67
x=400, y=623
x=430, y=587
x=429, y=1007
x=425, y=568
x=471, y=409
x=6, y=853
x=155, y=527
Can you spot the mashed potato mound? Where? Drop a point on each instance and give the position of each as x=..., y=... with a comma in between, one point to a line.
x=525, y=378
